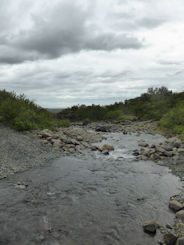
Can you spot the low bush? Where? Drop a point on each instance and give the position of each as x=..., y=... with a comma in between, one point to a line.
x=174, y=119
x=20, y=113
x=63, y=123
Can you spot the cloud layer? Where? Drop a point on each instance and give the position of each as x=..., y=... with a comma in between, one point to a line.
x=63, y=52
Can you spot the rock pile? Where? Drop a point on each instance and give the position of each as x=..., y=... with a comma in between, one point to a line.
x=72, y=140
x=170, y=148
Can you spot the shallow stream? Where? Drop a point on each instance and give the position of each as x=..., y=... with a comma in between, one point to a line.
x=89, y=200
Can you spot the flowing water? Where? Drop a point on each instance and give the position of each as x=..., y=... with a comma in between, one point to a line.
x=91, y=200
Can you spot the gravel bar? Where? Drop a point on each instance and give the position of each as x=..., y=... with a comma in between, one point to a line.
x=20, y=151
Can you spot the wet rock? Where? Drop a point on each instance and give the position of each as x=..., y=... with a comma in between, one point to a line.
x=180, y=241
x=79, y=138
x=160, y=149
x=180, y=150
x=180, y=215
x=160, y=242
x=140, y=199
x=168, y=153
x=170, y=239
x=21, y=185
x=175, y=205
x=71, y=150
x=136, y=153
x=142, y=143
x=45, y=141
x=168, y=226
x=45, y=133
x=105, y=152
x=167, y=148
x=150, y=227
x=75, y=142
x=102, y=129
x=177, y=144
x=107, y=147
x=56, y=142
x=85, y=144
x=94, y=148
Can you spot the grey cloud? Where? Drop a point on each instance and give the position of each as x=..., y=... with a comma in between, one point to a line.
x=62, y=30
x=151, y=22
x=110, y=41
x=170, y=62
x=11, y=55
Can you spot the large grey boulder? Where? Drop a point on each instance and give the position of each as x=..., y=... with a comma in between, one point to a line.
x=102, y=128
x=180, y=215
x=142, y=143
x=45, y=133
x=180, y=241
x=107, y=147
x=150, y=227
x=175, y=205
x=170, y=239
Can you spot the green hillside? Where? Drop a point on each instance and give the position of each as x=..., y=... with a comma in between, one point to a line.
x=22, y=114
x=159, y=104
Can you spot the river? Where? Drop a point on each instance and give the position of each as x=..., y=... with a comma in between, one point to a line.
x=88, y=200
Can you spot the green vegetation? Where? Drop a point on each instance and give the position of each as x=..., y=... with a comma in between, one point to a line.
x=22, y=114
x=158, y=104
x=174, y=119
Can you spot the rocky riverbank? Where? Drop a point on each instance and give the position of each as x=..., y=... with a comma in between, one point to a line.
x=22, y=151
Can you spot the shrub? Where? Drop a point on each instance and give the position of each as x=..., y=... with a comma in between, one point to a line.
x=113, y=114
x=63, y=123
x=22, y=114
x=174, y=119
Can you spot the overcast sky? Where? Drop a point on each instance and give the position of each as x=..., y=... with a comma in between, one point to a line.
x=65, y=52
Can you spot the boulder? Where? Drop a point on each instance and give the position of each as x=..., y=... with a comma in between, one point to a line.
x=177, y=144
x=180, y=150
x=79, y=138
x=136, y=153
x=167, y=148
x=107, y=147
x=56, y=143
x=150, y=227
x=75, y=142
x=94, y=148
x=160, y=149
x=142, y=143
x=85, y=144
x=180, y=241
x=168, y=153
x=45, y=133
x=175, y=205
x=180, y=215
x=105, y=152
x=102, y=128
x=170, y=239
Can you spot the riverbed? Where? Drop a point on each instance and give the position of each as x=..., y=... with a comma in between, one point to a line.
x=88, y=200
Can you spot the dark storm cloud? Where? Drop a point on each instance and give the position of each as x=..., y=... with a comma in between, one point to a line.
x=61, y=30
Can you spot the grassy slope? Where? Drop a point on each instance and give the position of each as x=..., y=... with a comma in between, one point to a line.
x=22, y=114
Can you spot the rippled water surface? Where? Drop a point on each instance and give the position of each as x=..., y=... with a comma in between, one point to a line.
x=91, y=200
